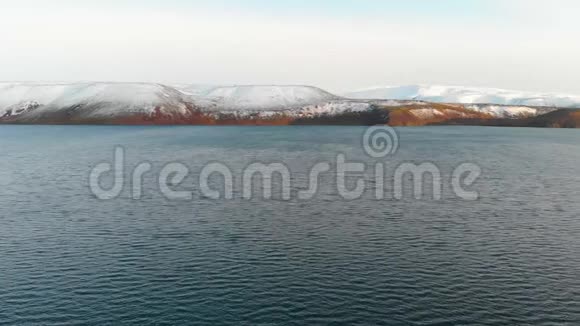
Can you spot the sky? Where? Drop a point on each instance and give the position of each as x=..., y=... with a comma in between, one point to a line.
x=339, y=45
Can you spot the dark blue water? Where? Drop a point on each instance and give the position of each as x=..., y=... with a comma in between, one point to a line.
x=510, y=258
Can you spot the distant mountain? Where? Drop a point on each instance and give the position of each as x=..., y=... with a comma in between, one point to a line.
x=466, y=95
x=257, y=97
x=149, y=103
x=157, y=104
x=54, y=102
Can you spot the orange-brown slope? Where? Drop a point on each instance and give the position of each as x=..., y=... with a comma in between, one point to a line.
x=431, y=114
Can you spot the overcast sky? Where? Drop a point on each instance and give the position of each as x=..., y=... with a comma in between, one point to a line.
x=339, y=45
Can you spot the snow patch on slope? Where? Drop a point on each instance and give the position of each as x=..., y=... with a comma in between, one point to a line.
x=309, y=111
x=333, y=108
x=510, y=112
x=427, y=113
x=393, y=103
x=106, y=99
x=19, y=108
x=466, y=95
x=274, y=98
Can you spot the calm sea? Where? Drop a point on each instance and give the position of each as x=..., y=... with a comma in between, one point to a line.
x=512, y=257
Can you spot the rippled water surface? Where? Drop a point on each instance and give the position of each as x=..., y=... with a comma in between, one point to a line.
x=510, y=258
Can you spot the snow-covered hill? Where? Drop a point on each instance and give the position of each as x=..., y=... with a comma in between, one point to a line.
x=257, y=97
x=95, y=100
x=467, y=95
x=150, y=103
x=509, y=112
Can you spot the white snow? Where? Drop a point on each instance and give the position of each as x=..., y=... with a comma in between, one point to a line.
x=20, y=108
x=426, y=113
x=333, y=108
x=257, y=97
x=327, y=108
x=109, y=98
x=387, y=103
x=466, y=95
x=504, y=111
x=99, y=99
x=430, y=113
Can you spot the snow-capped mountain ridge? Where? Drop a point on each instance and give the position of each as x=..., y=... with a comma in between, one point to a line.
x=258, y=97
x=152, y=103
x=97, y=98
x=467, y=95
x=112, y=100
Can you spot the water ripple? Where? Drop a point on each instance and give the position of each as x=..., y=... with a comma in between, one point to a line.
x=511, y=258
